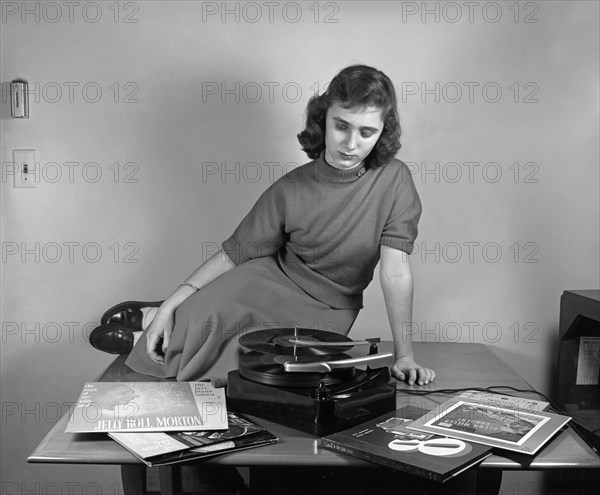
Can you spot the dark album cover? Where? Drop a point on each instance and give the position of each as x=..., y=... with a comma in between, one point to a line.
x=386, y=440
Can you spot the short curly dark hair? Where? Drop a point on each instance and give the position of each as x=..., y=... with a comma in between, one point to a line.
x=355, y=86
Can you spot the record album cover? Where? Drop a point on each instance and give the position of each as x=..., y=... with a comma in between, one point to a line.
x=148, y=406
x=386, y=441
x=161, y=449
x=519, y=430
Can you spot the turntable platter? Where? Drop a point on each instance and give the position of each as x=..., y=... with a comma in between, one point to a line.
x=268, y=370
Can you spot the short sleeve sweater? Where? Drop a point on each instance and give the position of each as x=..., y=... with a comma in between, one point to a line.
x=325, y=226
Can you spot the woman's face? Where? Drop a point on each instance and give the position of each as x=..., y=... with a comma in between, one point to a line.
x=351, y=134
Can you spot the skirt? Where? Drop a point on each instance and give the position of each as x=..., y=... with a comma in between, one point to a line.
x=251, y=296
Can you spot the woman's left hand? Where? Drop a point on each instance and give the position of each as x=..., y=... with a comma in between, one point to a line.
x=407, y=370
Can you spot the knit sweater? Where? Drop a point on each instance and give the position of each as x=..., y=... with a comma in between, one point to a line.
x=325, y=226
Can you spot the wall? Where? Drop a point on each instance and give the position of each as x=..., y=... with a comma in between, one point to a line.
x=156, y=125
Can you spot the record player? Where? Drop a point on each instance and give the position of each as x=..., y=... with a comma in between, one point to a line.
x=312, y=380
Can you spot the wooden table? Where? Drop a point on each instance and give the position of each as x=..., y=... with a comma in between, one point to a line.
x=457, y=365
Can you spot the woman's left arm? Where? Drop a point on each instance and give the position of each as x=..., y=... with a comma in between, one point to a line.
x=397, y=285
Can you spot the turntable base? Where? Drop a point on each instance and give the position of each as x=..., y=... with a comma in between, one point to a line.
x=319, y=411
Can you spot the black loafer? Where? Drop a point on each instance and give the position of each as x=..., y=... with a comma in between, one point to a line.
x=112, y=338
x=128, y=314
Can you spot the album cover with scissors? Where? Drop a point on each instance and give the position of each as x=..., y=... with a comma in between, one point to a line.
x=385, y=440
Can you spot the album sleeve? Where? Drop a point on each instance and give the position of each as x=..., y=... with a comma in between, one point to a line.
x=262, y=231
x=401, y=228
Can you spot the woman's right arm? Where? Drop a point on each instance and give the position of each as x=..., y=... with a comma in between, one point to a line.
x=161, y=326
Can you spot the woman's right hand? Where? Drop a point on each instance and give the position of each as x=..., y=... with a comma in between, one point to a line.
x=161, y=327
x=158, y=334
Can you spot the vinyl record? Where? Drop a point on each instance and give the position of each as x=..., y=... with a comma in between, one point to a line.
x=268, y=370
x=279, y=341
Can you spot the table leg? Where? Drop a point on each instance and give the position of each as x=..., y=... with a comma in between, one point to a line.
x=259, y=479
x=133, y=477
x=170, y=479
x=488, y=481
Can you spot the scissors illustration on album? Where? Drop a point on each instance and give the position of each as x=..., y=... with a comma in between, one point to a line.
x=416, y=441
x=435, y=446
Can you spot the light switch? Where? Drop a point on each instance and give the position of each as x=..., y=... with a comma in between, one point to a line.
x=25, y=168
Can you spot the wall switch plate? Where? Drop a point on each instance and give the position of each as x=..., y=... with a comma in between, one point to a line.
x=25, y=168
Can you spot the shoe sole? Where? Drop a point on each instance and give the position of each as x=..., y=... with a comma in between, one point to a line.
x=97, y=335
x=109, y=312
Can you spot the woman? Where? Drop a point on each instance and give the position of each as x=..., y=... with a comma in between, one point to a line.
x=308, y=248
